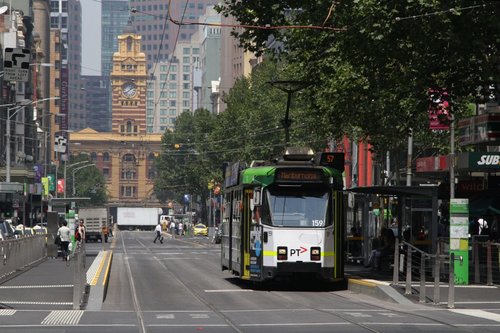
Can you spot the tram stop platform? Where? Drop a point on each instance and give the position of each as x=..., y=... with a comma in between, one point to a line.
x=49, y=284
x=379, y=284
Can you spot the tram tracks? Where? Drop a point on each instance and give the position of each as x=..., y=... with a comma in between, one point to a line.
x=224, y=315
x=196, y=295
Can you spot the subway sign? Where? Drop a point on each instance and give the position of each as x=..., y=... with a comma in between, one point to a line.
x=484, y=161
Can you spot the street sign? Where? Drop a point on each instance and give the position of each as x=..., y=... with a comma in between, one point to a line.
x=60, y=143
x=16, y=64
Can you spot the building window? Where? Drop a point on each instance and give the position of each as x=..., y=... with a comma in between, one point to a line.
x=105, y=173
x=128, y=191
x=93, y=156
x=128, y=158
x=105, y=157
x=128, y=174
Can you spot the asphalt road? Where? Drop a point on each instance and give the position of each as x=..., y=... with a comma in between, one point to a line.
x=178, y=287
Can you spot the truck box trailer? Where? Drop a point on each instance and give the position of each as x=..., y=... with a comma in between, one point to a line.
x=137, y=217
x=95, y=219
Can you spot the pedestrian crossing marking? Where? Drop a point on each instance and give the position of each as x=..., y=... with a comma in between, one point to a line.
x=63, y=317
x=7, y=312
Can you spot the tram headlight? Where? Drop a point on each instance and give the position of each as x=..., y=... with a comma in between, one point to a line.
x=315, y=253
x=282, y=253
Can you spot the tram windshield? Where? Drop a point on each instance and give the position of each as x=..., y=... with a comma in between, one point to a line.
x=289, y=209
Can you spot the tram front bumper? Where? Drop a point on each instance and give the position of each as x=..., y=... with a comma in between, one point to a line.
x=288, y=268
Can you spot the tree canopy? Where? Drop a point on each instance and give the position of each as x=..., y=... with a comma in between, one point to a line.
x=372, y=73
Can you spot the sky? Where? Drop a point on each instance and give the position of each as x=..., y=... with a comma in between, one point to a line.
x=91, y=37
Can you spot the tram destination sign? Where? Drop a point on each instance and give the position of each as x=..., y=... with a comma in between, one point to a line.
x=299, y=175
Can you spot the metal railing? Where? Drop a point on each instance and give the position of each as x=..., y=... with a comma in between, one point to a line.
x=17, y=254
x=408, y=259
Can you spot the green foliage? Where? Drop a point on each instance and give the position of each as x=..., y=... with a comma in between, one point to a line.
x=371, y=80
x=250, y=129
x=88, y=181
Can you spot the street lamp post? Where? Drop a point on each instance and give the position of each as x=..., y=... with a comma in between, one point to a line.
x=15, y=107
x=65, y=168
x=74, y=171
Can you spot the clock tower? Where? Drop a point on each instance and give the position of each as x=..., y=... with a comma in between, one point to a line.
x=128, y=85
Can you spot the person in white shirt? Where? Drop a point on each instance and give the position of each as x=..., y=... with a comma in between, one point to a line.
x=65, y=234
x=158, y=233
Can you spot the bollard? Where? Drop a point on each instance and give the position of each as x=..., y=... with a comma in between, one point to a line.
x=451, y=288
x=422, y=278
x=408, y=271
x=489, y=273
x=437, y=273
x=477, y=274
x=395, y=273
x=76, y=280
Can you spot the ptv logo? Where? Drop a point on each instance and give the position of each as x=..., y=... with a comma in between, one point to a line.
x=298, y=251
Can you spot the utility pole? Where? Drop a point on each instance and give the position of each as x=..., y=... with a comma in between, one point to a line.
x=289, y=87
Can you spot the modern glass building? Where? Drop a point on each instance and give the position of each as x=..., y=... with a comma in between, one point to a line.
x=114, y=18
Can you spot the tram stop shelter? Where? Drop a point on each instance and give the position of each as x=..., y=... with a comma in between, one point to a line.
x=417, y=206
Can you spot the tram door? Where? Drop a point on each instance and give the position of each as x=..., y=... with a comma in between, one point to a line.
x=247, y=221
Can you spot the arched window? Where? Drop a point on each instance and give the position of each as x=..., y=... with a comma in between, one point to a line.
x=105, y=157
x=129, y=44
x=129, y=126
x=93, y=156
x=128, y=158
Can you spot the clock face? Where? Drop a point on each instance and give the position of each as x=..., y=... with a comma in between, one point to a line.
x=129, y=89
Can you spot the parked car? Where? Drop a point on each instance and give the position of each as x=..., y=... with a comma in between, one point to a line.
x=21, y=230
x=200, y=230
x=6, y=230
x=39, y=229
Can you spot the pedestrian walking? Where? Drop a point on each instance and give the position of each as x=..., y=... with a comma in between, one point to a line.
x=158, y=233
x=65, y=235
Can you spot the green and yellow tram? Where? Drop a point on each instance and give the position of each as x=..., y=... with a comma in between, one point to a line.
x=284, y=217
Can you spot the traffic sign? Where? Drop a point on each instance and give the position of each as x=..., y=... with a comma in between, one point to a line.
x=60, y=143
x=16, y=64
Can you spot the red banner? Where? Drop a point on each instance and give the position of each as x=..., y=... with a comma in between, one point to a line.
x=439, y=109
x=60, y=186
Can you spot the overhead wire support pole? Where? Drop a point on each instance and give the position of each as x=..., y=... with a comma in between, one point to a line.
x=289, y=87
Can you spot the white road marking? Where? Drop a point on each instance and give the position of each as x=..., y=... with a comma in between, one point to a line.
x=358, y=314
x=38, y=286
x=199, y=315
x=296, y=324
x=7, y=312
x=478, y=313
x=226, y=290
x=36, y=303
x=63, y=317
x=187, y=325
x=165, y=316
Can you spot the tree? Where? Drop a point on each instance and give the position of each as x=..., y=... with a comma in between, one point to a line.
x=89, y=182
x=184, y=165
x=372, y=78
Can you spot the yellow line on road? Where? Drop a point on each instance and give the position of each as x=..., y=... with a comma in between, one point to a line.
x=99, y=270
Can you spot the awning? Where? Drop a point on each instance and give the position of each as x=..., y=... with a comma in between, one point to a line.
x=426, y=191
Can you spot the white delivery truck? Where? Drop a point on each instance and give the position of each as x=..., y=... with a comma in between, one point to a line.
x=95, y=219
x=137, y=218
